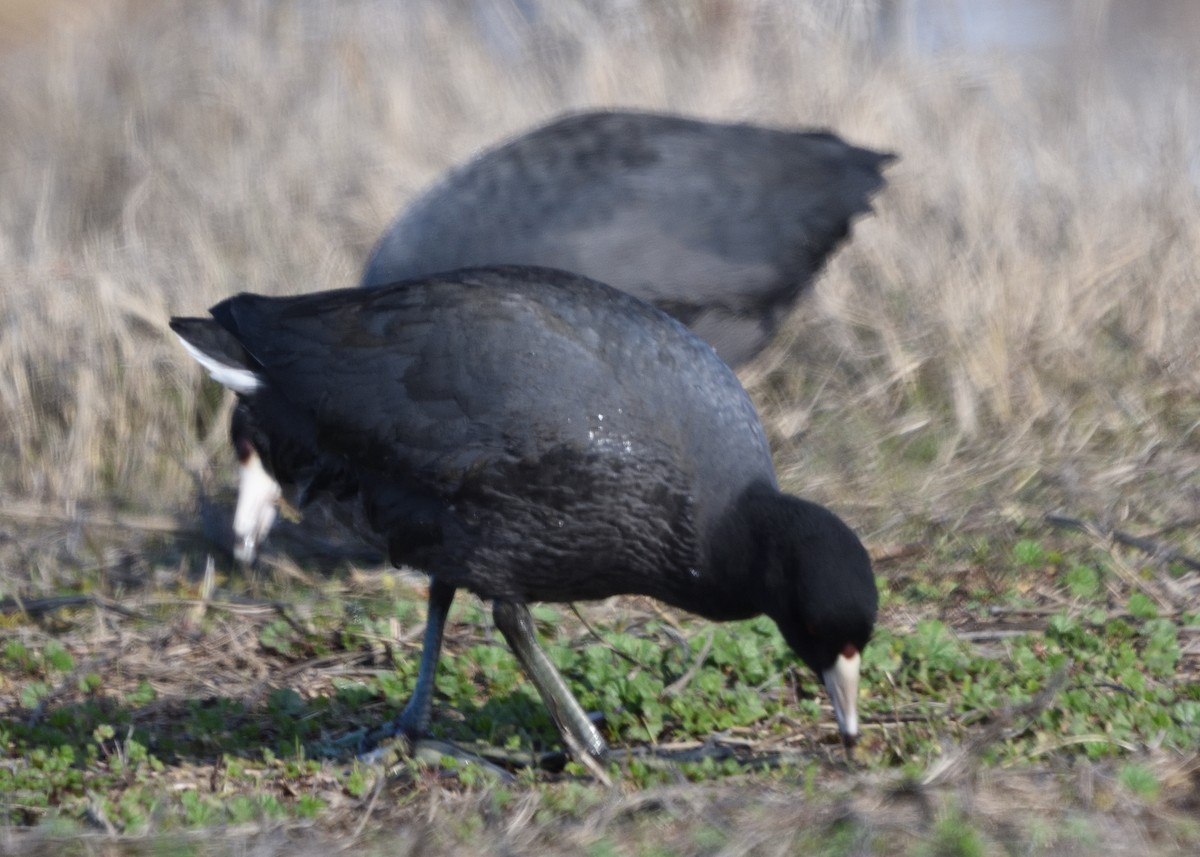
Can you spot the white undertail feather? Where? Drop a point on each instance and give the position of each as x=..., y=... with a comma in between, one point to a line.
x=236, y=378
x=258, y=497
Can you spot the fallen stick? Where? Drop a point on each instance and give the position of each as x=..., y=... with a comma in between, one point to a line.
x=42, y=514
x=42, y=606
x=1146, y=545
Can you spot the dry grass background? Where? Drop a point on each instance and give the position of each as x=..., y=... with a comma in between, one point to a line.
x=1014, y=329
x=1015, y=325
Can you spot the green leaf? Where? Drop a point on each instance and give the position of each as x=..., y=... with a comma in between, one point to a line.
x=1083, y=581
x=357, y=782
x=143, y=694
x=57, y=658
x=1029, y=553
x=1141, y=607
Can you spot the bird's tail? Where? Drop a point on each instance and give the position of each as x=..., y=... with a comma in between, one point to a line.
x=219, y=352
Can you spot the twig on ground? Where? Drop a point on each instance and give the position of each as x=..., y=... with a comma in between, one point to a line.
x=988, y=635
x=41, y=514
x=680, y=683
x=583, y=757
x=1023, y=611
x=1075, y=740
x=893, y=552
x=1155, y=549
x=671, y=755
x=587, y=626
x=210, y=523
x=897, y=718
x=1131, y=577
x=41, y=606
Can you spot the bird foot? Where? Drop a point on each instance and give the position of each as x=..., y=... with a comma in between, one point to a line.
x=391, y=755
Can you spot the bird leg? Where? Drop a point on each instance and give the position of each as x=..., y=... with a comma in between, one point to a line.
x=576, y=728
x=414, y=719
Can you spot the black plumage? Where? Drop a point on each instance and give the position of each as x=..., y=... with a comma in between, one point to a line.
x=720, y=225
x=531, y=435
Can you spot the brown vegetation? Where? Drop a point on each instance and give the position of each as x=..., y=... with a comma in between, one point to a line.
x=1016, y=323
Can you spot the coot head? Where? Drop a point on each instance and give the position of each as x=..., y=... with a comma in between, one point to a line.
x=832, y=613
x=812, y=575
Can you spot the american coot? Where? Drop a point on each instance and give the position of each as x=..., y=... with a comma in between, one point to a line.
x=721, y=226
x=532, y=435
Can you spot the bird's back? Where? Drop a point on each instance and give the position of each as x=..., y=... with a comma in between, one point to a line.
x=720, y=225
x=573, y=413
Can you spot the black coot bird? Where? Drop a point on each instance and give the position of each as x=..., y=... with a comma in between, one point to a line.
x=721, y=226
x=531, y=435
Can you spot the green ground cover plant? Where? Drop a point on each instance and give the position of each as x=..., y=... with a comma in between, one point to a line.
x=1095, y=678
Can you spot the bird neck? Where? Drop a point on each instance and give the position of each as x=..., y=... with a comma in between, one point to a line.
x=736, y=582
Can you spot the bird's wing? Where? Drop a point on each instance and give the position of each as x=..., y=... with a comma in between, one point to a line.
x=425, y=381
